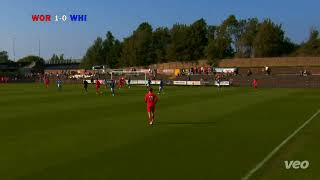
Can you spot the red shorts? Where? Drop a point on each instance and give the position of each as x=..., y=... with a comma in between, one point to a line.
x=150, y=108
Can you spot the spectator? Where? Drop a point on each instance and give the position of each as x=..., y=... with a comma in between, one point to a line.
x=236, y=72
x=267, y=70
x=209, y=70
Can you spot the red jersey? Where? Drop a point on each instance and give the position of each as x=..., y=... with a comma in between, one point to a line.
x=254, y=82
x=97, y=84
x=151, y=99
x=46, y=81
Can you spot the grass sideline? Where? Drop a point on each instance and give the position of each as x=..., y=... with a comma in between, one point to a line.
x=200, y=133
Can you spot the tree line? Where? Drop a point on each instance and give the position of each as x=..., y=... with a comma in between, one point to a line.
x=241, y=38
x=60, y=59
x=38, y=63
x=55, y=59
x=233, y=38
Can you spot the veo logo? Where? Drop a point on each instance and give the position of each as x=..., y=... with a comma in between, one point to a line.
x=296, y=164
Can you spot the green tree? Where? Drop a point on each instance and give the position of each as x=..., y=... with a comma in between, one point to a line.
x=94, y=54
x=179, y=46
x=229, y=29
x=220, y=43
x=111, y=50
x=128, y=53
x=269, y=40
x=240, y=37
x=198, y=39
x=143, y=45
x=248, y=30
x=4, y=58
x=31, y=59
x=116, y=54
x=137, y=49
x=312, y=46
x=288, y=47
x=222, y=39
x=219, y=48
x=212, y=32
x=54, y=59
x=61, y=59
x=160, y=42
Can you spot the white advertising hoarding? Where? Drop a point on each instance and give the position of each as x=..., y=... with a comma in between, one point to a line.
x=180, y=82
x=222, y=83
x=225, y=70
x=193, y=83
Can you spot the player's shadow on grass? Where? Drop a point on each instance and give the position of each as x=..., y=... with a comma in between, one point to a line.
x=186, y=123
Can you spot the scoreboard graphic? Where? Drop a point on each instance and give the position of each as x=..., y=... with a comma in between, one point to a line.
x=47, y=18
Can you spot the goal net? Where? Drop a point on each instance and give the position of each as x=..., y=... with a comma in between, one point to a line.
x=136, y=77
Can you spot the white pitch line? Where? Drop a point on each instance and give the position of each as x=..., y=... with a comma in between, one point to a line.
x=272, y=153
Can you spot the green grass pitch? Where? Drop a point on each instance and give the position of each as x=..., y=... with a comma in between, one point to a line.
x=201, y=133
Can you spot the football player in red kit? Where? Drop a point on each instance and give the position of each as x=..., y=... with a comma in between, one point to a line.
x=46, y=82
x=98, y=87
x=151, y=99
x=121, y=82
x=254, y=83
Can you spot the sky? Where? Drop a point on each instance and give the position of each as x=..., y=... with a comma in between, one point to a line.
x=18, y=32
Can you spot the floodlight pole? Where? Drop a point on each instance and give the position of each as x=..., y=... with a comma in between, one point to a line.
x=14, y=48
x=39, y=48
